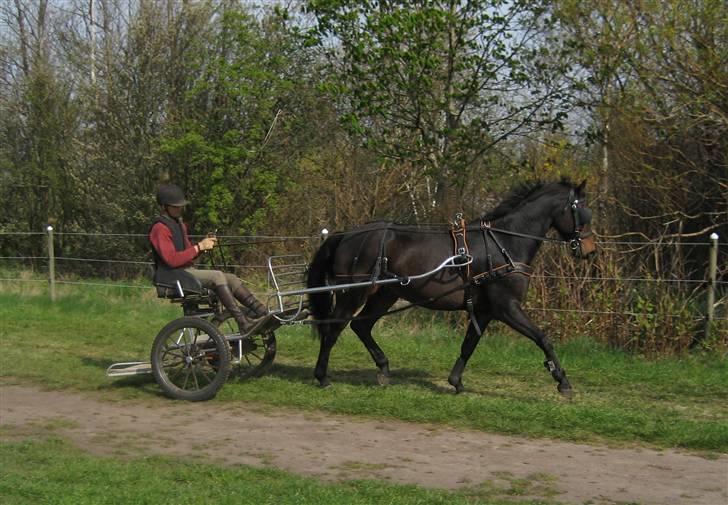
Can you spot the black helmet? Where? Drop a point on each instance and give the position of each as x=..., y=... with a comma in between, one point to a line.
x=171, y=194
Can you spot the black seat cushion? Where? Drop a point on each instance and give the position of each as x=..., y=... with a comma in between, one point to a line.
x=169, y=281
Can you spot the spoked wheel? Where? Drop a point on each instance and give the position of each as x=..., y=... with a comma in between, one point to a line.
x=190, y=359
x=254, y=354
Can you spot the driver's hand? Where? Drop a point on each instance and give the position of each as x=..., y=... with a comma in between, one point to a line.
x=207, y=244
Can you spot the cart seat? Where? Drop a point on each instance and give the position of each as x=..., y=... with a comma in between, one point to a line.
x=177, y=284
x=173, y=292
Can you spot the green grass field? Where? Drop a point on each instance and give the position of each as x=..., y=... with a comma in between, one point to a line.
x=620, y=398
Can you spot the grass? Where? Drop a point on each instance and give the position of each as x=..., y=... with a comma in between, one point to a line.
x=51, y=472
x=620, y=398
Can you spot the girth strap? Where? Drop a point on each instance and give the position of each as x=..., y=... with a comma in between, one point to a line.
x=502, y=271
x=458, y=230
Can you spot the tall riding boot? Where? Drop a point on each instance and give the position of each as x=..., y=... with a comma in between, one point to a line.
x=228, y=300
x=244, y=296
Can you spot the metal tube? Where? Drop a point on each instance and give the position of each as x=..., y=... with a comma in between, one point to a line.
x=448, y=263
x=712, y=271
x=51, y=264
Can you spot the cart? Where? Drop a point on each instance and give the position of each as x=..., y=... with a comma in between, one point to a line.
x=193, y=356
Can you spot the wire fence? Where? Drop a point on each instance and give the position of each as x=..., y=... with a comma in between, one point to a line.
x=85, y=270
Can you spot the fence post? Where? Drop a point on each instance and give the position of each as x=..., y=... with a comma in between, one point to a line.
x=712, y=271
x=51, y=264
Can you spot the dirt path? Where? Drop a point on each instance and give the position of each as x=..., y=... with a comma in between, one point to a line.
x=337, y=447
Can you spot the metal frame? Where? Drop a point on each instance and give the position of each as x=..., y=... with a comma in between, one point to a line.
x=279, y=295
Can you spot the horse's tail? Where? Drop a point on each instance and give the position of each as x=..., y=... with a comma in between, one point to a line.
x=320, y=304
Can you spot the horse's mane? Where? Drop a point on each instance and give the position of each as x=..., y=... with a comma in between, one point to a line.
x=520, y=194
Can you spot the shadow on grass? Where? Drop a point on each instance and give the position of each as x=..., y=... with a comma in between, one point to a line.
x=96, y=362
x=144, y=382
x=359, y=377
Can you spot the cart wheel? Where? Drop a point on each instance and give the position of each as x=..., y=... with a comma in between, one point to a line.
x=255, y=353
x=190, y=359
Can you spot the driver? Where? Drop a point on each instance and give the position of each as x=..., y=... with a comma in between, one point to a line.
x=173, y=252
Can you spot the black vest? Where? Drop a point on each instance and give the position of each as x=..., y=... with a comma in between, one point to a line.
x=164, y=275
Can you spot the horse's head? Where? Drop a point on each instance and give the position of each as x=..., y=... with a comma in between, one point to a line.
x=573, y=222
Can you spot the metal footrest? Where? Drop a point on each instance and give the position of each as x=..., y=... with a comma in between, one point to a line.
x=129, y=368
x=273, y=320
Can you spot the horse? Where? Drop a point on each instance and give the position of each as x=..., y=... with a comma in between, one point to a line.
x=489, y=281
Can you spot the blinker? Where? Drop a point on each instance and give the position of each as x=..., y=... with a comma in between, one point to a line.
x=584, y=215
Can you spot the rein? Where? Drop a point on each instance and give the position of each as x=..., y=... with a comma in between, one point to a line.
x=486, y=226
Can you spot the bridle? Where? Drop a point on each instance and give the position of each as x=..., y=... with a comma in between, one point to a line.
x=580, y=213
x=582, y=217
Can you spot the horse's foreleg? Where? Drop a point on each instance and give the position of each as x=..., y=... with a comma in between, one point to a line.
x=519, y=321
x=362, y=325
x=466, y=350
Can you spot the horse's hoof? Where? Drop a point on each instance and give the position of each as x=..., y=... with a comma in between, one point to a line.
x=324, y=384
x=457, y=384
x=567, y=393
x=382, y=379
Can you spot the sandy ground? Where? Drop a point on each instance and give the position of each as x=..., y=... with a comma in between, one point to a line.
x=336, y=447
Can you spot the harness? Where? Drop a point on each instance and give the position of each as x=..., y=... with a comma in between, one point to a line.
x=458, y=231
x=493, y=271
x=496, y=272
x=380, y=269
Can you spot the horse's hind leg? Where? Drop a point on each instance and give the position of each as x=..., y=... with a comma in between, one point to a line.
x=466, y=350
x=328, y=336
x=346, y=305
x=519, y=321
x=362, y=325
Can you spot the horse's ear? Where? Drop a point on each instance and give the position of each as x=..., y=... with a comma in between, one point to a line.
x=580, y=187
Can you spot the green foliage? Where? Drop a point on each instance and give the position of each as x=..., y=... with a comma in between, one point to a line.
x=431, y=84
x=223, y=142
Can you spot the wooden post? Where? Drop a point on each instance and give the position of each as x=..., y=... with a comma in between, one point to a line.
x=51, y=264
x=712, y=271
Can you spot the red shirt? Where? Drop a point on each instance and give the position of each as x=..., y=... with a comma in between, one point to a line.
x=161, y=238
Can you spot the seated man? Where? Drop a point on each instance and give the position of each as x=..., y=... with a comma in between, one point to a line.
x=173, y=252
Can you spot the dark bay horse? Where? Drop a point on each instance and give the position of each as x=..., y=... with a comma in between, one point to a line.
x=502, y=245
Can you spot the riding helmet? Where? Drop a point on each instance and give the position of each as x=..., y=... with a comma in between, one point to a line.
x=171, y=194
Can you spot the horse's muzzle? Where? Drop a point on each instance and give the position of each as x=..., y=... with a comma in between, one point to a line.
x=583, y=245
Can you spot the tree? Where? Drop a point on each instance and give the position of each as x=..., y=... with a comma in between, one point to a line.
x=657, y=73
x=438, y=84
x=238, y=130
x=39, y=122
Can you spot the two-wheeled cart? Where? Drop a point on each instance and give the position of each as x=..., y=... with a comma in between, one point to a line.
x=192, y=356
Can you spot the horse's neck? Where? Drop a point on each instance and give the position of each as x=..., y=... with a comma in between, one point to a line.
x=529, y=221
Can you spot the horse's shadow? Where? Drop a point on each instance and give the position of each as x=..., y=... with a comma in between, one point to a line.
x=359, y=377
